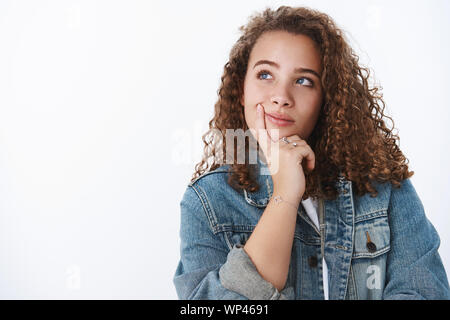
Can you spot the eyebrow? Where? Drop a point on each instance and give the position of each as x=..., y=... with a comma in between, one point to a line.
x=276, y=65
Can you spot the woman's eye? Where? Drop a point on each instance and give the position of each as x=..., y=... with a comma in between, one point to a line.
x=262, y=74
x=305, y=81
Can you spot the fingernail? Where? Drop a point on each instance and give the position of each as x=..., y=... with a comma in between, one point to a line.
x=259, y=108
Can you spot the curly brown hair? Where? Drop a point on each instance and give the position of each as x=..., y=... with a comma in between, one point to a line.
x=350, y=137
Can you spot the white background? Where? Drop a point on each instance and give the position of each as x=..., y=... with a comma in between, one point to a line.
x=102, y=108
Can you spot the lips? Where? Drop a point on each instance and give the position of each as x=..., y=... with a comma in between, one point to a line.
x=278, y=122
x=280, y=117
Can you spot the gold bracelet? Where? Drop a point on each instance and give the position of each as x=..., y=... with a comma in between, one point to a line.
x=278, y=199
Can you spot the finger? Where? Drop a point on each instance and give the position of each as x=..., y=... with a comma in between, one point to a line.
x=296, y=138
x=298, y=143
x=295, y=141
x=308, y=156
x=261, y=133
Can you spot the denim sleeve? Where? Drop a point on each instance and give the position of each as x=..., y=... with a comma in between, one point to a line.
x=414, y=267
x=207, y=269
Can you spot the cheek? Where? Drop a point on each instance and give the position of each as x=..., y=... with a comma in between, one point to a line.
x=311, y=105
x=309, y=98
x=252, y=92
x=311, y=117
x=308, y=112
x=311, y=114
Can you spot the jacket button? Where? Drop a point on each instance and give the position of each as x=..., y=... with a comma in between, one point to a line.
x=369, y=244
x=312, y=261
x=371, y=247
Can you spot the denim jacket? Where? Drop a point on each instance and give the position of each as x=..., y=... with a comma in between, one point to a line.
x=375, y=248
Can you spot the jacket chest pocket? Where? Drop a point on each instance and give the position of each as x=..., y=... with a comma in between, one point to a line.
x=372, y=235
x=368, y=269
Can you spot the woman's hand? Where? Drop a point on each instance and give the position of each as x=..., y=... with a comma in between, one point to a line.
x=284, y=160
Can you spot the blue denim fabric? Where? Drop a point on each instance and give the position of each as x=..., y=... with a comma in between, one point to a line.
x=402, y=262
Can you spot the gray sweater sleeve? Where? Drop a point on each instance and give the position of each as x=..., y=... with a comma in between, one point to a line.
x=239, y=274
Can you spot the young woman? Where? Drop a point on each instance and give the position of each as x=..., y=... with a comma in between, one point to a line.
x=327, y=211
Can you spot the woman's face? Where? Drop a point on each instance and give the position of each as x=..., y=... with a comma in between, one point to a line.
x=283, y=75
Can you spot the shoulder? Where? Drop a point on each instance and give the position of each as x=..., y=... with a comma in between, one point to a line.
x=213, y=185
x=403, y=195
x=368, y=204
x=216, y=176
x=405, y=192
x=388, y=195
x=212, y=193
x=405, y=206
x=400, y=203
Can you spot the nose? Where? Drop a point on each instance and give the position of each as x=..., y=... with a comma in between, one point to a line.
x=281, y=100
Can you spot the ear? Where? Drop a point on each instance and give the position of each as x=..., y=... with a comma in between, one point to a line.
x=241, y=100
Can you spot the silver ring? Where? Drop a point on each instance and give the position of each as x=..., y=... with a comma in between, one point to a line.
x=285, y=140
